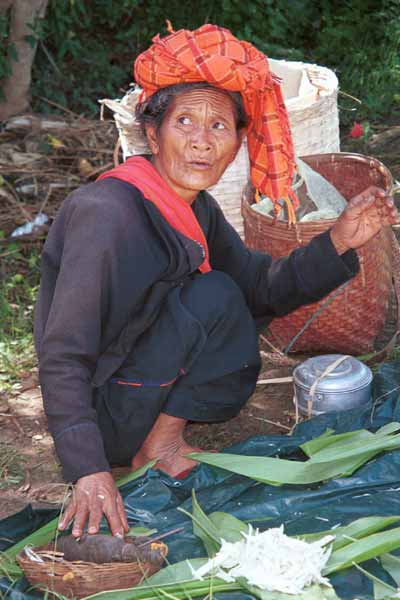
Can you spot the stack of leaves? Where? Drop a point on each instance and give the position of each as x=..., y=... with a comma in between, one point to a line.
x=329, y=456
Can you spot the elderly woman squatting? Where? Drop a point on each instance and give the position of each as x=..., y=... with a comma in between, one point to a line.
x=149, y=299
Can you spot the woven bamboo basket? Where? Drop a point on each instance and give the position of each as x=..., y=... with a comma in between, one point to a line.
x=351, y=322
x=310, y=93
x=77, y=579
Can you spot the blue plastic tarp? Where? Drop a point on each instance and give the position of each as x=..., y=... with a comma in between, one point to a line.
x=152, y=500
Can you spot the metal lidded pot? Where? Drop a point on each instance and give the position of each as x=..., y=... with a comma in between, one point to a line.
x=331, y=382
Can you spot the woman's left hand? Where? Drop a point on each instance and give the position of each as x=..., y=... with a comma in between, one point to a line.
x=364, y=217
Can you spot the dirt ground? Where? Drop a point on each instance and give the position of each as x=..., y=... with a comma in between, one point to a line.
x=28, y=449
x=29, y=471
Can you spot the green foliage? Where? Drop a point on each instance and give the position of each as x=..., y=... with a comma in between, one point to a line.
x=331, y=456
x=11, y=467
x=18, y=288
x=360, y=39
x=87, y=49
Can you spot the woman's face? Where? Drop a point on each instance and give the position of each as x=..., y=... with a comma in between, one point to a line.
x=196, y=141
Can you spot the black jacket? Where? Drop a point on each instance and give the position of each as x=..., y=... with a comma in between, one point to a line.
x=109, y=261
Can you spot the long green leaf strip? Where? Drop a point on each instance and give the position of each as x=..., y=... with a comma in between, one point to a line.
x=176, y=580
x=330, y=456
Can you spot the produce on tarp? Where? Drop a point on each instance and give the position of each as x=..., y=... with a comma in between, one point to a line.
x=350, y=545
x=106, y=548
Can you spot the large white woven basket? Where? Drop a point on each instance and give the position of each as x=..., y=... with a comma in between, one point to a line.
x=310, y=93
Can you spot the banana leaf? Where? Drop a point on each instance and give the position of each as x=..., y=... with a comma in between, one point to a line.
x=356, y=530
x=230, y=528
x=382, y=590
x=361, y=550
x=374, y=444
x=331, y=457
x=203, y=527
x=140, y=531
x=278, y=471
x=175, y=581
x=328, y=439
x=8, y=565
x=391, y=564
x=313, y=592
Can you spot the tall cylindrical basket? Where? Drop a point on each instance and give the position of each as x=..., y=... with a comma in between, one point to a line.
x=351, y=322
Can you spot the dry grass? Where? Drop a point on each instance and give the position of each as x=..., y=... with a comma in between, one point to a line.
x=11, y=466
x=43, y=159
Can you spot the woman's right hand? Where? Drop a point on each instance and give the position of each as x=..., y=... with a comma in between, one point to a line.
x=94, y=496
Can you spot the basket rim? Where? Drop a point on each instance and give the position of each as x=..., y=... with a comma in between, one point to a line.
x=65, y=563
x=322, y=158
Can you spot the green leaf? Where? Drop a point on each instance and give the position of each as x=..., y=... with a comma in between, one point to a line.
x=135, y=474
x=362, y=550
x=339, y=459
x=177, y=573
x=313, y=592
x=140, y=531
x=360, y=529
x=277, y=471
x=203, y=527
x=382, y=590
x=31, y=40
x=391, y=427
x=176, y=580
x=42, y=536
x=391, y=564
x=355, y=530
x=375, y=443
x=229, y=527
x=327, y=439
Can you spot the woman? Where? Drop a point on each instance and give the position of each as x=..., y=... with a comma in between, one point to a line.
x=149, y=299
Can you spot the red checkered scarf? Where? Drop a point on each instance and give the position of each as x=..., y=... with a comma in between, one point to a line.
x=214, y=55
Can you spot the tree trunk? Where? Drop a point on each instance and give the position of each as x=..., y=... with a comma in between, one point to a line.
x=16, y=86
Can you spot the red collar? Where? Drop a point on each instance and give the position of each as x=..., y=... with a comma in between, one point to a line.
x=141, y=173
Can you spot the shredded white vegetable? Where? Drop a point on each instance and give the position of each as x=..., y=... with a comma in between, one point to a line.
x=271, y=561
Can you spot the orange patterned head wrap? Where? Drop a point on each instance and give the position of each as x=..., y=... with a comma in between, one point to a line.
x=212, y=54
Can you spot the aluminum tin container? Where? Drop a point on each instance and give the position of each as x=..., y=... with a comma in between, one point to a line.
x=331, y=382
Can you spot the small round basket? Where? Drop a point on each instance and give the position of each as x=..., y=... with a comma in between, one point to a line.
x=351, y=322
x=78, y=579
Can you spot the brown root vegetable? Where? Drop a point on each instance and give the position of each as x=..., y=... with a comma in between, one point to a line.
x=106, y=548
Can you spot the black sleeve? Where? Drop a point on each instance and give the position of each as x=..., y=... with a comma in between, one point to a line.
x=107, y=261
x=276, y=287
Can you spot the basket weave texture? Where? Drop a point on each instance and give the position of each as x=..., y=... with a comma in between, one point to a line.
x=78, y=579
x=354, y=318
